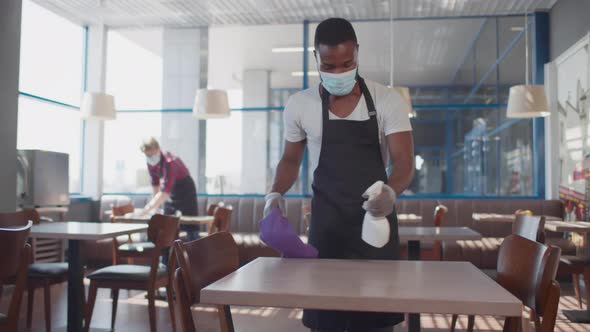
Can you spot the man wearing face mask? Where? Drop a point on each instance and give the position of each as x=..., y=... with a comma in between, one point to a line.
x=172, y=185
x=352, y=127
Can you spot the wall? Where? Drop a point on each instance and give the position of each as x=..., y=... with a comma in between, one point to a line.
x=10, y=23
x=569, y=21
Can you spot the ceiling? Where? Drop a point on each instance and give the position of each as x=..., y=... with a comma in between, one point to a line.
x=191, y=13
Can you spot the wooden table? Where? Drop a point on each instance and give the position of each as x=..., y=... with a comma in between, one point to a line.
x=495, y=217
x=74, y=232
x=184, y=220
x=353, y=285
x=414, y=235
x=580, y=227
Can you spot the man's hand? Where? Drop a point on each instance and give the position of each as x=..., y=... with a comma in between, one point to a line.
x=381, y=205
x=274, y=200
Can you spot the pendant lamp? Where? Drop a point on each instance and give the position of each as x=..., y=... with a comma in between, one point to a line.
x=402, y=90
x=98, y=106
x=211, y=104
x=527, y=101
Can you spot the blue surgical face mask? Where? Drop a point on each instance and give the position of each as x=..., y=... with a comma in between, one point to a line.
x=339, y=84
x=153, y=160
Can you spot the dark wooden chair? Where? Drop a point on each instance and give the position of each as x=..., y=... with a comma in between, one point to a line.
x=127, y=248
x=529, y=227
x=434, y=253
x=527, y=269
x=14, y=264
x=47, y=266
x=576, y=266
x=202, y=262
x=221, y=220
x=211, y=209
x=162, y=231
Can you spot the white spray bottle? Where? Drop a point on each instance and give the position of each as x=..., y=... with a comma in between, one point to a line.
x=375, y=230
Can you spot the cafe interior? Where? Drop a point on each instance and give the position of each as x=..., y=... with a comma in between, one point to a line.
x=198, y=165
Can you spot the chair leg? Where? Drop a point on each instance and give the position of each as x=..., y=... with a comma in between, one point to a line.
x=454, y=322
x=115, y=295
x=470, y=323
x=30, y=301
x=587, y=285
x=170, y=298
x=47, y=299
x=576, y=283
x=90, y=306
x=152, y=309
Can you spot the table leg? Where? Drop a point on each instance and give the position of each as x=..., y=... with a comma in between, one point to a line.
x=414, y=255
x=75, y=287
x=582, y=316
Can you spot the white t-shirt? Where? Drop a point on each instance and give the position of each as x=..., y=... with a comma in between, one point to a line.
x=303, y=117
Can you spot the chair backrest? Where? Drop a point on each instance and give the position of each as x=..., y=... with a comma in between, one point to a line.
x=202, y=262
x=118, y=211
x=13, y=219
x=440, y=215
x=162, y=230
x=14, y=265
x=548, y=291
x=12, y=240
x=211, y=209
x=530, y=227
x=520, y=263
x=221, y=220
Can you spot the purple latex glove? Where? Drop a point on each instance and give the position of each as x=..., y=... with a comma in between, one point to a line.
x=278, y=233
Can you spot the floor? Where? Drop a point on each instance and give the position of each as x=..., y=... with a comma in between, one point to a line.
x=132, y=315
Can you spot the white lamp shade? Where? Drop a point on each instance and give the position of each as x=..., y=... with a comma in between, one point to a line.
x=527, y=101
x=405, y=94
x=98, y=106
x=211, y=104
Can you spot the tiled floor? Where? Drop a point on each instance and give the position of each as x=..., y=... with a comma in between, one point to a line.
x=132, y=315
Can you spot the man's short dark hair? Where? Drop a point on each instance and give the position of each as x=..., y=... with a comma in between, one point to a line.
x=334, y=31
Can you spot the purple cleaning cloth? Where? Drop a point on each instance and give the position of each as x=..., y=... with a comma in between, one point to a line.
x=278, y=233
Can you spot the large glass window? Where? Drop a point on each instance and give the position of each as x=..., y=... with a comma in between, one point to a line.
x=51, y=66
x=52, y=54
x=134, y=68
x=47, y=126
x=125, y=168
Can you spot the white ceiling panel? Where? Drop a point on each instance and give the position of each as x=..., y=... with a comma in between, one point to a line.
x=191, y=13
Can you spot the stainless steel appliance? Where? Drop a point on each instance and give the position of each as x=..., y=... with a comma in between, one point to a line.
x=42, y=178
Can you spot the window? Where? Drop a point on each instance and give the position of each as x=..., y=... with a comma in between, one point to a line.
x=47, y=126
x=52, y=54
x=134, y=68
x=51, y=67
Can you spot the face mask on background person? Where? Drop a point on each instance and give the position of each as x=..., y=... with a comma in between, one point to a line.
x=339, y=84
x=153, y=160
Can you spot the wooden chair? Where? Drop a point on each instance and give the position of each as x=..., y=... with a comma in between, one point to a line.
x=201, y=262
x=527, y=269
x=47, y=268
x=211, y=209
x=576, y=266
x=435, y=252
x=529, y=227
x=221, y=220
x=13, y=269
x=119, y=211
x=162, y=231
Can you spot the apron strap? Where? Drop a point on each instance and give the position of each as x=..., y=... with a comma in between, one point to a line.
x=368, y=98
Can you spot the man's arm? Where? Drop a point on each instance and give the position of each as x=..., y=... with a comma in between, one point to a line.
x=155, y=190
x=288, y=167
x=401, y=150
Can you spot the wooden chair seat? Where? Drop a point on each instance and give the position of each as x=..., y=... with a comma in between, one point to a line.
x=3, y=318
x=48, y=270
x=126, y=272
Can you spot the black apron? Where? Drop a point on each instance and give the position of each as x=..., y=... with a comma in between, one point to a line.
x=183, y=198
x=350, y=161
